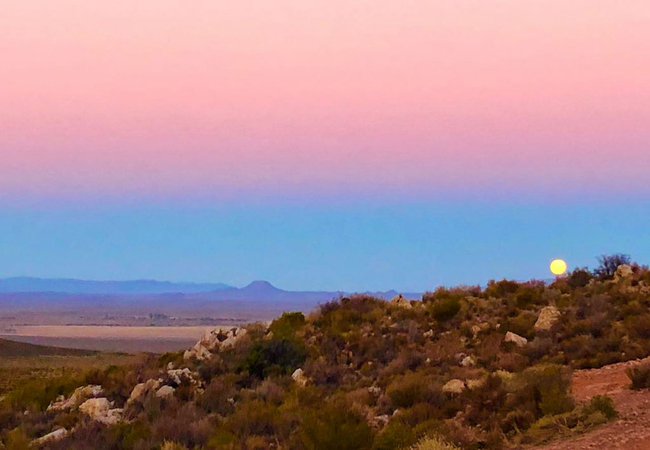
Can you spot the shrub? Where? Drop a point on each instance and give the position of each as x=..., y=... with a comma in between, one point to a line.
x=579, y=278
x=285, y=326
x=443, y=304
x=277, y=356
x=609, y=263
x=335, y=426
x=433, y=443
x=602, y=404
x=407, y=390
x=549, y=385
x=640, y=376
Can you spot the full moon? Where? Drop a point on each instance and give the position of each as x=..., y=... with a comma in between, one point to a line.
x=558, y=267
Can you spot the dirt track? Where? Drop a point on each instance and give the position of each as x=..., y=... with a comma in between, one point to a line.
x=631, y=431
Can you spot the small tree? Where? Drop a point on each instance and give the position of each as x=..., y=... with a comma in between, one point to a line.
x=609, y=263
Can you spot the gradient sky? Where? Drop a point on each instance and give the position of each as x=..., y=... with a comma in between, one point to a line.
x=322, y=144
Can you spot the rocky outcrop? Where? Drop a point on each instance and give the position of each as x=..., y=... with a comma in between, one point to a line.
x=78, y=396
x=54, y=436
x=300, y=378
x=140, y=391
x=519, y=341
x=212, y=341
x=401, y=302
x=165, y=392
x=548, y=316
x=101, y=410
x=454, y=386
x=177, y=376
x=623, y=272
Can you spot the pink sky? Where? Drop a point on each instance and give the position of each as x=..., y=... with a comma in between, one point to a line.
x=212, y=98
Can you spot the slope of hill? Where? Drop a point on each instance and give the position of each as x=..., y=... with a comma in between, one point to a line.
x=10, y=348
x=478, y=368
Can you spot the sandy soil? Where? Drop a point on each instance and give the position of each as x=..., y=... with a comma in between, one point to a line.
x=631, y=431
x=108, y=332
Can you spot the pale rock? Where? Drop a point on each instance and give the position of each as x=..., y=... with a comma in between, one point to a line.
x=78, y=396
x=165, y=392
x=141, y=390
x=178, y=375
x=54, y=436
x=467, y=361
x=548, y=316
x=622, y=272
x=379, y=422
x=428, y=334
x=374, y=390
x=401, y=302
x=454, y=386
x=519, y=341
x=213, y=340
x=101, y=410
x=299, y=377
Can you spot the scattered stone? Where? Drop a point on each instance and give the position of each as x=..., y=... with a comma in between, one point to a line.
x=401, y=302
x=379, y=422
x=467, y=361
x=54, y=436
x=548, y=316
x=428, y=334
x=78, y=396
x=374, y=390
x=213, y=340
x=519, y=341
x=300, y=378
x=454, y=386
x=165, y=392
x=101, y=410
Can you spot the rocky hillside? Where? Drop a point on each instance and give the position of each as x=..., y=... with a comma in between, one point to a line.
x=466, y=368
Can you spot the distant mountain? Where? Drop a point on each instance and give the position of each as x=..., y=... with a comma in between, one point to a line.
x=35, y=300
x=130, y=287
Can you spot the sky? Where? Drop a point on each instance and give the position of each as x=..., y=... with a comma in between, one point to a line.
x=322, y=144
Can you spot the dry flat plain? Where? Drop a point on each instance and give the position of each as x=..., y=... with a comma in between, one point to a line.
x=110, y=338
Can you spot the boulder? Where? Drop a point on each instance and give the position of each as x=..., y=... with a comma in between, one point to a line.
x=101, y=410
x=300, y=378
x=213, y=340
x=548, y=316
x=622, y=272
x=401, y=302
x=165, y=392
x=54, y=436
x=518, y=340
x=454, y=386
x=76, y=398
x=141, y=390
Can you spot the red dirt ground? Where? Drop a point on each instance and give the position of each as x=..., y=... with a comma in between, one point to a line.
x=631, y=431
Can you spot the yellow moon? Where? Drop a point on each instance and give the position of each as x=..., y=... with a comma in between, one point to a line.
x=558, y=267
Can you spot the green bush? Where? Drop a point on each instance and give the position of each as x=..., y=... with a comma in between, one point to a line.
x=286, y=326
x=549, y=385
x=433, y=443
x=602, y=404
x=335, y=427
x=276, y=356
